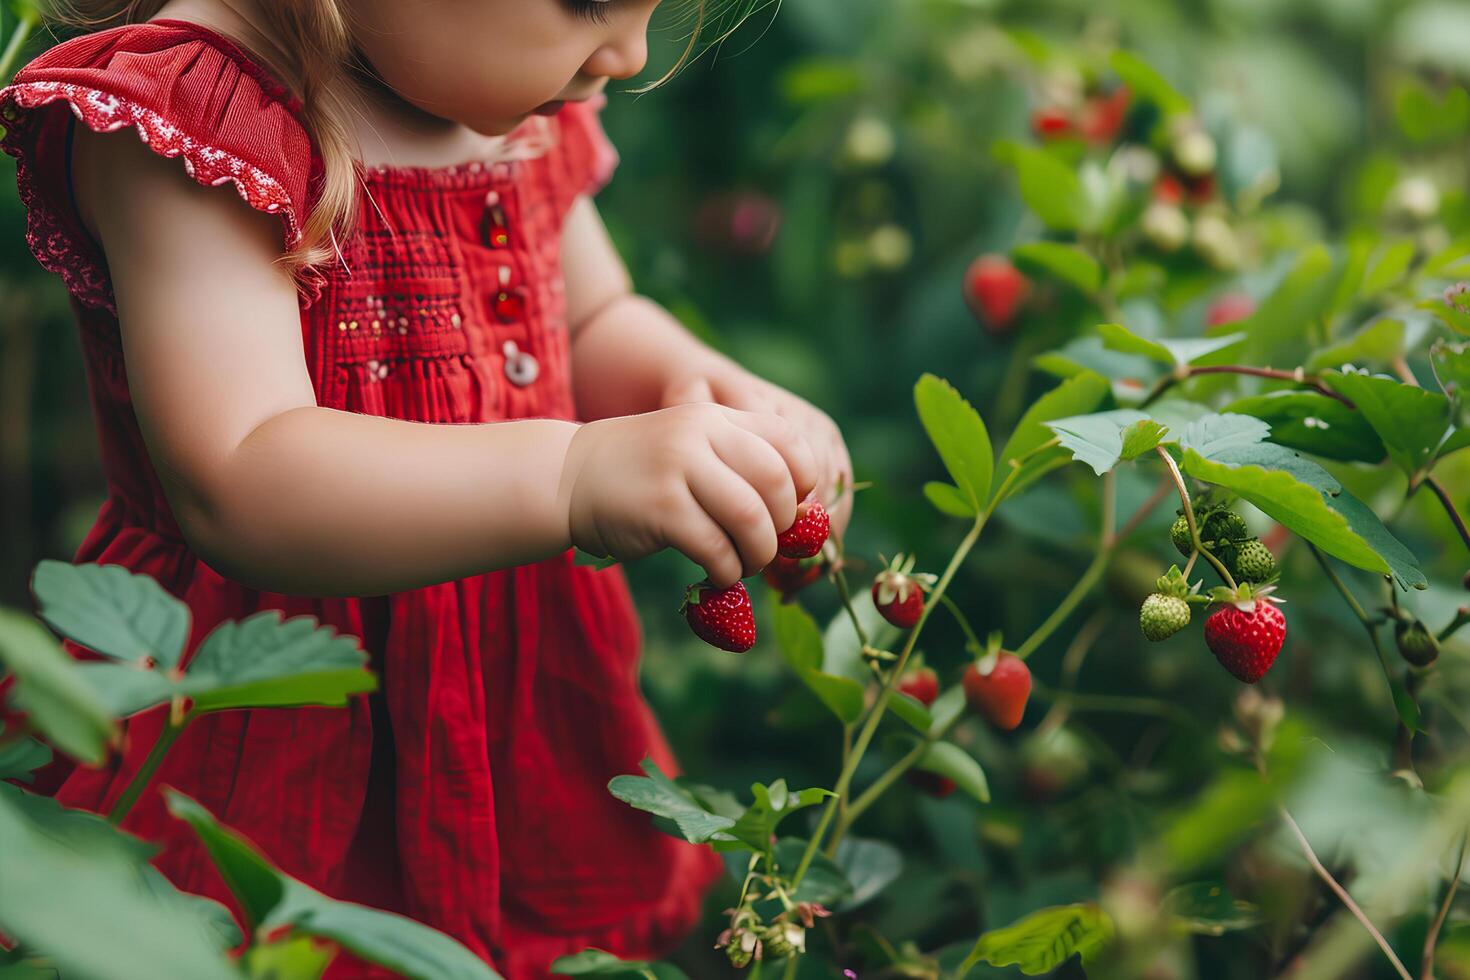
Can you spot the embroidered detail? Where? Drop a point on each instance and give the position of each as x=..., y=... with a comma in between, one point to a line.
x=520, y=367
x=76, y=262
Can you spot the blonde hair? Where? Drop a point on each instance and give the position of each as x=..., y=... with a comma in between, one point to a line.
x=315, y=43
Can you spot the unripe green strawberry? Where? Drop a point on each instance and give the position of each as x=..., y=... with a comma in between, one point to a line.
x=1162, y=616
x=1225, y=525
x=1416, y=643
x=1254, y=562
x=1179, y=534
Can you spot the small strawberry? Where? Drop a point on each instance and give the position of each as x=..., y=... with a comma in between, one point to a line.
x=805, y=538
x=1230, y=308
x=789, y=576
x=721, y=617
x=898, y=592
x=994, y=290
x=931, y=783
x=1179, y=534
x=1246, y=631
x=1162, y=616
x=922, y=685
x=1102, y=115
x=1254, y=562
x=1168, y=190
x=998, y=695
x=1416, y=643
x=1051, y=122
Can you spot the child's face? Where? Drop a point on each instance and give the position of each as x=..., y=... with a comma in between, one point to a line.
x=489, y=63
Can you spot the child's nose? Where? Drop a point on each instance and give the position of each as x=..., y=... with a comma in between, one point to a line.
x=621, y=57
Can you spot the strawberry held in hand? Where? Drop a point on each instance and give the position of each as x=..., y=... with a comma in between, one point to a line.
x=998, y=694
x=789, y=576
x=1246, y=632
x=806, y=537
x=898, y=592
x=721, y=617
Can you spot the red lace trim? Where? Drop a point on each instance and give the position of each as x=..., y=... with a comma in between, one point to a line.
x=55, y=244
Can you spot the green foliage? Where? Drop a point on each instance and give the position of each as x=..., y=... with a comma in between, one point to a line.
x=1044, y=940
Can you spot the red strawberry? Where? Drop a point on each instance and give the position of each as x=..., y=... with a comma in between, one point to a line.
x=994, y=290
x=999, y=696
x=1168, y=189
x=899, y=593
x=1102, y=115
x=806, y=537
x=1051, y=122
x=1230, y=308
x=789, y=576
x=931, y=783
x=1246, y=633
x=721, y=617
x=922, y=685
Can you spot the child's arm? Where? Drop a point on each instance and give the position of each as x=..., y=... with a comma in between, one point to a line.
x=287, y=496
x=631, y=355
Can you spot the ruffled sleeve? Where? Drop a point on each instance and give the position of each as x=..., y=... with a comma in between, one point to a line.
x=589, y=156
x=186, y=93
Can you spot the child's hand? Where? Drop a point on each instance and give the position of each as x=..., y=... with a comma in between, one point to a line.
x=728, y=384
x=715, y=483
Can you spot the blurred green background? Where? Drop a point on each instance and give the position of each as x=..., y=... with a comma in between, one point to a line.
x=806, y=197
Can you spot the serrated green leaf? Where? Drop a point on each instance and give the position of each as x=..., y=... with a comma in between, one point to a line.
x=1388, y=267
x=1365, y=524
x=1378, y=342
x=264, y=661
x=1313, y=423
x=1048, y=186
x=958, y=434
x=823, y=883
x=948, y=500
x=1166, y=350
x=1278, y=328
x=21, y=758
x=1141, y=437
x=1210, y=435
x=949, y=760
x=1077, y=395
x=1096, y=439
x=1066, y=262
x=659, y=795
x=773, y=804
x=1301, y=508
x=911, y=711
x=53, y=893
x=51, y=690
x=1147, y=83
x=1088, y=354
x=112, y=611
x=274, y=900
x=1411, y=421
x=1044, y=940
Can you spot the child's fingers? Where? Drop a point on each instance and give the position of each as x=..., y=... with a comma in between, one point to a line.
x=700, y=538
x=801, y=460
x=741, y=513
x=765, y=469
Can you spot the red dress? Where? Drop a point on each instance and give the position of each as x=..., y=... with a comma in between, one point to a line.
x=471, y=793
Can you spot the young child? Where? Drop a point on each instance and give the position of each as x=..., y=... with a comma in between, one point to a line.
x=326, y=229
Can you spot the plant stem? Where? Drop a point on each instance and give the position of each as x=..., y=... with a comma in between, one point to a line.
x=1342, y=894
x=875, y=715
x=1083, y=586
x=1462, y=616
x=870, y=795
x=27, y=23
x=1427, y=968
x=1299, y=376
x=140, y=779
x=963, y=621
x=1199, y=545
x=1449, y=508
x=790, y=972
x=840, y=579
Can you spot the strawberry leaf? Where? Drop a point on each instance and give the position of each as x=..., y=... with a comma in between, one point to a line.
x=1166, y=350
x=1066, y=262
x=51, y=689
x=1096, y=439
x=1411, y=421
x=1314, y=423
x=949, y=760
x=1379, y=342
x=661, y=796
x=600, y=963
x=1044, y=940
x=112, y=611
x=959, y=435
x=948, y=500
x=1078, y=395
x=800, y=642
